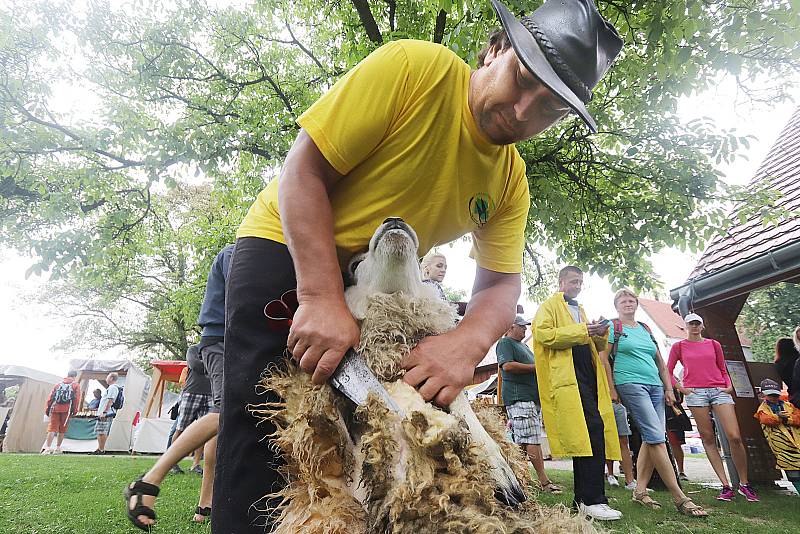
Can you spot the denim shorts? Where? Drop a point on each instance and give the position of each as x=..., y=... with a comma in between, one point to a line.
x=621, y=417
x=645, y=403
x=700, y=397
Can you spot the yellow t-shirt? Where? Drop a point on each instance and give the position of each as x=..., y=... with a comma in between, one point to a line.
x=399, y=128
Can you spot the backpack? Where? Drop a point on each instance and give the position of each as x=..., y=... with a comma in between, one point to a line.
x=618, y=334
x=119, y=401
x=64, y=393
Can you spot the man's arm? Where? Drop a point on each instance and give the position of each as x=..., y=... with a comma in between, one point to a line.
x=323, y=327
x=441, y=366
x=518, y=368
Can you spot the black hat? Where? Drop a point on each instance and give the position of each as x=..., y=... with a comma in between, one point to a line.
x=567, y=45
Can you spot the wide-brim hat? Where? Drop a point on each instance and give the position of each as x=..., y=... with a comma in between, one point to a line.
x=567, y=45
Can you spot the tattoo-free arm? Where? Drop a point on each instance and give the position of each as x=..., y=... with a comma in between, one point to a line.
x=323, y=327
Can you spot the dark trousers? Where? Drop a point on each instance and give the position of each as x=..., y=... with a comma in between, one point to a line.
x=589, y=471
x=260, y=271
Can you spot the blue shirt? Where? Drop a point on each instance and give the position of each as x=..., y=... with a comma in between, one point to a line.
x=212, y=311
x=110, y=394
x=635, y=361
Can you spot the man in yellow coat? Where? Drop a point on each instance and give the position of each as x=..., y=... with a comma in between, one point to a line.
x=576, y=404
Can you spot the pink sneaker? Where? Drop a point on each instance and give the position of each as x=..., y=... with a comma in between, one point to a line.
x=727, y=494
x=748, y=492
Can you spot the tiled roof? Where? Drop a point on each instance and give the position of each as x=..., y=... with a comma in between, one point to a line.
x=780, y=171
x=670, y=323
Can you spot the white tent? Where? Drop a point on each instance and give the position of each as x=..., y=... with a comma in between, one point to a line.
x=26, y=427
x=135, y=386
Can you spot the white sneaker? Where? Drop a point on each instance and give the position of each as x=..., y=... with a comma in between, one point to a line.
x=630, y=485
x=612, y=480
x=600, y=512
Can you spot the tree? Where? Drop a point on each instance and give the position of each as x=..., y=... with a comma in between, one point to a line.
x=181, y=93
x=768, y=315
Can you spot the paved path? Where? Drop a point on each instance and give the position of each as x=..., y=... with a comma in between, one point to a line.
x=697, y=469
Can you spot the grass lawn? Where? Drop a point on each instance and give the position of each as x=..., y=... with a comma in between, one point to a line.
x=83, y=494
x=775, y=513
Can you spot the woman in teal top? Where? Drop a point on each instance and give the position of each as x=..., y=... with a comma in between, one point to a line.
x=638, y=377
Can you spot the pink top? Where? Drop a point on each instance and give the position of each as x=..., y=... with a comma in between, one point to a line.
x=703, y=364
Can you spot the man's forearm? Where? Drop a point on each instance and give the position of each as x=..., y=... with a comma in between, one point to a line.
x=307, y=220
x=490, y=312
x=518, y=368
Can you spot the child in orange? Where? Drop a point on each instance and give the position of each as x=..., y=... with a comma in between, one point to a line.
x=780, y=422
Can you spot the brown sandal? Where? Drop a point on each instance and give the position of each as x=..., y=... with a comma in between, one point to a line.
x=686, y=506
x=645, y=500
x=551, y=487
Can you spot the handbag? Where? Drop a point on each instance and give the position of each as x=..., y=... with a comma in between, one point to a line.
x=677, y=419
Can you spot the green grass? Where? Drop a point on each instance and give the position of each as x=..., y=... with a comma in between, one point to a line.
x=775, y=513
x=83, y=494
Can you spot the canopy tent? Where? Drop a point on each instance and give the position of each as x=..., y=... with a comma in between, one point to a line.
x=26, y=427
x=154, y=426
x=135, y=386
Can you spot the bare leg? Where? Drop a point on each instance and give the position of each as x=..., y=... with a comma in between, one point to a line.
x=535, y=454
x=60, y=439
x=727, y=417
x=627, y=461
x=101, y=441
x=677, y=451
x=207, y=486
x=702, y=416
x=644, y=469
x=197, y=456
x=50, y=436
x=194, y=436
x=658, y=456
x=610, y=468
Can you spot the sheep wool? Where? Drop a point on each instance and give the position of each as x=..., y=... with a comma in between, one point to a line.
x=397, y=475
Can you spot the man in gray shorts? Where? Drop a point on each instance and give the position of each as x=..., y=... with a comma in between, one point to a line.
x=520, y=393
x=205, y=429
x=626, y=465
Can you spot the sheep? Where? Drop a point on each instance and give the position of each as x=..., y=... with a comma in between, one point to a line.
x=369, y=469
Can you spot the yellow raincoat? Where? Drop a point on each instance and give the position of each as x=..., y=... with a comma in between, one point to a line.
x=555, y=332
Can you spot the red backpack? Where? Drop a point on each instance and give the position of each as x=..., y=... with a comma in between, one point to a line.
x=618, y=334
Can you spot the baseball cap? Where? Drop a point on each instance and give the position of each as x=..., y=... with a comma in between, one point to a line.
x=770, y=387
x=518, y=320
x=692, y=317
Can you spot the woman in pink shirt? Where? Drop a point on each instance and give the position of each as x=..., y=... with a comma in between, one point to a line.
x=707, y=387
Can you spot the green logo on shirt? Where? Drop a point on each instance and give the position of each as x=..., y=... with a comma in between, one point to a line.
x=481, y=207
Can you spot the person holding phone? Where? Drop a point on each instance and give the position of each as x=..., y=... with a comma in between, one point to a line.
x=707, y=387
x=639, y=379
x=574, y=397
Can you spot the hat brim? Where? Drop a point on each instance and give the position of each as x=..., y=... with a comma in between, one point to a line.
x=522, y=324
x=770, y=392
x=531, y=55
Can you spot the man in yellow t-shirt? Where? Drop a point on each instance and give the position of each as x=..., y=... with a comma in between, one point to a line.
x=410, y=132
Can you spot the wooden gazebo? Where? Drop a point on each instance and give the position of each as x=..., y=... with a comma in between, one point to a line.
x=750, y=256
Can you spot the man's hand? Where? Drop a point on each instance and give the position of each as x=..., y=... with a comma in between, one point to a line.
x=439, y=367
x=597, y=329
x=614, y=395
x=322, y=331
